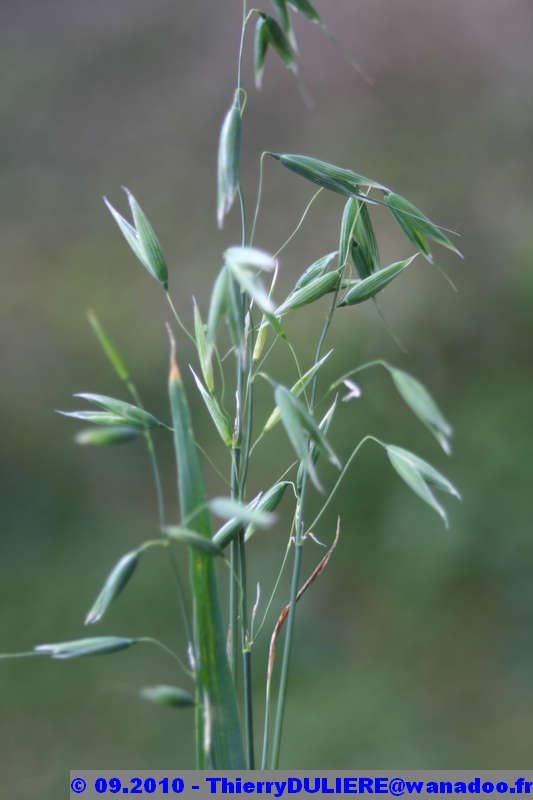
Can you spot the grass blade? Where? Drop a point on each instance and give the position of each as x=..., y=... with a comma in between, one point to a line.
x=108, y=347
x=223, y=747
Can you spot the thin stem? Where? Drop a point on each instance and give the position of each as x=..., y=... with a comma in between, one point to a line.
x=243, y=216
x=276, y=585
x=340, y=47
x=301, y=222
x=365, y=439
x=24, y=654
x=266, y=728
x=157, y=479
x=211, y=463
x=241, y=45
x=232, y=610
x=397, y=341
x=335, y=385
x=245, y=643
x=286, y=656
x=151, y=640
x=259, y=194
x=161, y=513
x=178, y=319
x=247, y=658
x=374, y=363
x=298, y=544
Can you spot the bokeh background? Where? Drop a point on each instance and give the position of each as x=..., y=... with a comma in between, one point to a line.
x=415, y=648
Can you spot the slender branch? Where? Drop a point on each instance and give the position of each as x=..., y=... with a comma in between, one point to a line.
x=151, y=640
x=301, y=222
x=161, y=513
x=298, y=540
x=178, y=319
x=354, y=452
x=259, y=195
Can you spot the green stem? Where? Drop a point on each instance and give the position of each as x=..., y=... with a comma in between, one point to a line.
x=247, y=659
x=245, y=643
x=178, y=319
x=161, y=513
x=266, y=724
x=241, y=44
x=265, y=729
x=151, y=640
x=232, y=611
x=301, y=222
x=298, y=544
x=259, y=194
x=276, y=744
x=354, y=452
x=243, y=216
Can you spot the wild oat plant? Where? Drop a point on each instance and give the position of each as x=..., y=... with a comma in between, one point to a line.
x=221, y=640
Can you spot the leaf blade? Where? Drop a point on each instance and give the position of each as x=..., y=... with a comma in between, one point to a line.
x=215, y=689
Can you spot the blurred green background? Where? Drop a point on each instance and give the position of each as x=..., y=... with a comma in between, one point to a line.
x=415, y=648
